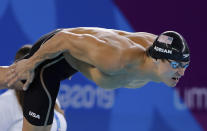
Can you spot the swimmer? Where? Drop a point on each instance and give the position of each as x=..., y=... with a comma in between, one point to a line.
x=110, y=58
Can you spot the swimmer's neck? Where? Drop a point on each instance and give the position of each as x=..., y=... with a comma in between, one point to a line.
x=150, y=69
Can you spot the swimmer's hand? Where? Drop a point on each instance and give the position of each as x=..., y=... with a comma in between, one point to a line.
x=21, y=70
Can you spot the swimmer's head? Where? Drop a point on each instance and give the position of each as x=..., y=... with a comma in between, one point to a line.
x=170, y=45
x=25, y=49
x=170, y=71
x=172, y=54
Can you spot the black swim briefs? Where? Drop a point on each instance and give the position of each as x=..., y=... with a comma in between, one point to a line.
x=39, y=99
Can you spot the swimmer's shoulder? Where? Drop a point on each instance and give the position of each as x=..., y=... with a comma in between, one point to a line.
x=143, y=39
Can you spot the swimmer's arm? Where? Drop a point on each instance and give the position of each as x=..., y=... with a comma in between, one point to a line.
x=3, y=70
x=83, y=47
x=3, y=85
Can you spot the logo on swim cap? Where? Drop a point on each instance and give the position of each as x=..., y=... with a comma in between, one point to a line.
x=163, y=50
x=170, y=45
x=165, y=39
x=185, y=55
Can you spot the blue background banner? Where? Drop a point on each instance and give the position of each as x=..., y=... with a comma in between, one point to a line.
x=154, y=107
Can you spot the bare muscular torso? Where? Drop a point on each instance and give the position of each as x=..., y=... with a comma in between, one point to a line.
x=130, y=76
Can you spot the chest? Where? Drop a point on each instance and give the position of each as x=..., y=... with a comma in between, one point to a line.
x=128, y=80
x=132, y=78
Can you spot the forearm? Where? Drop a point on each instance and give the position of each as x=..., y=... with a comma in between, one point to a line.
x=50, y=49
x=3, y=84
x=3, y=70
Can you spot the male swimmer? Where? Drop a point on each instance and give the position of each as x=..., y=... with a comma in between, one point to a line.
x=110, y=58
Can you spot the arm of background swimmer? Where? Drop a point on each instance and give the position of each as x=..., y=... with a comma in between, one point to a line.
x=83, y=47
